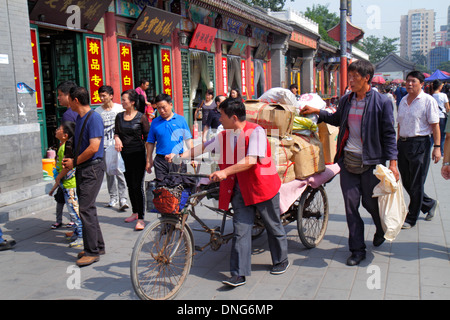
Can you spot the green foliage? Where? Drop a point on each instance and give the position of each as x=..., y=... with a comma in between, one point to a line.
x=326, y=20
x=273, y=5
x=377, y=48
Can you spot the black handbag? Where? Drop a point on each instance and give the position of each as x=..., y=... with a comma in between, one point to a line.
x=59, y=196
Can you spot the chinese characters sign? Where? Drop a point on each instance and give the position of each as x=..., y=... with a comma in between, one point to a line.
x=203, y=37
x=244, y=78
x=126, y=66
x=36, y=63
x=78, y=14
x=154, y=25
x=166, y=64
x=225, y=75
x=95, y=67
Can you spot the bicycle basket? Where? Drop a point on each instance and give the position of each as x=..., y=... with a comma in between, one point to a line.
x=167, y=200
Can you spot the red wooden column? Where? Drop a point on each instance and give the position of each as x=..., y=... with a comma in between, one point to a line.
x=177, y=95
x=112, y=68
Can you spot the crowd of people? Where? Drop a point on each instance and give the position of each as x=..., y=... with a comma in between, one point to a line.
x=146, y=142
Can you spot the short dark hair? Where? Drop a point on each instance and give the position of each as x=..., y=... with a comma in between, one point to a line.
x=143, y=81
x=416, y=74
x=65, y=86
x=363, y=67
x=81, y=94
x=68, y=128
x=163, y=97
x=293, y=86
x=107, y=89
x=210, y=92
x=217, y=99
x=234, y=107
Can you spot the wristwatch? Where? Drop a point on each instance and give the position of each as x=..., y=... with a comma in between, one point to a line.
x=437, y=146
x=446, y=164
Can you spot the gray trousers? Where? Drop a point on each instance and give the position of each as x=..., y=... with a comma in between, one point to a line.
x=241, y=251
x=117, y=186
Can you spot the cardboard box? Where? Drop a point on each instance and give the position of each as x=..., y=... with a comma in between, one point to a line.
x=328, y=135
x=307, y=156
x=277, y=119
x=281, y=153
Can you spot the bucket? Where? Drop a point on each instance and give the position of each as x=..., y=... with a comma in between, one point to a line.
x=48, y=165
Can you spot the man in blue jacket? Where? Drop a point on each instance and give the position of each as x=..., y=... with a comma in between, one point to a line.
x=366, y=138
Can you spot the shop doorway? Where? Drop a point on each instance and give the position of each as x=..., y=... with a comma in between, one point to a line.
x=144, y=66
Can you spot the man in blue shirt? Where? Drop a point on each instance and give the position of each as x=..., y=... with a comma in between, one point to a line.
x=169, y=131
x=90, y=169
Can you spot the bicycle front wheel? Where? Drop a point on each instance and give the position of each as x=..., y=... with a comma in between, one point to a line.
x=161, y=259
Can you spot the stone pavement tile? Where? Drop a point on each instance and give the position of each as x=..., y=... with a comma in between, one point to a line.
x=434, y=293
x=403, y=284
x=302, y=287
x=339, y=278
x=332, y=294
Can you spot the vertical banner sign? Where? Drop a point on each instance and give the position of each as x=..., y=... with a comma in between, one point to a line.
x=252, y=79
x=244, y=78
x=166, y=64
x=36, y=64
x=265, y=76
x=225, y=75
x=126, y=66
x=95, y=67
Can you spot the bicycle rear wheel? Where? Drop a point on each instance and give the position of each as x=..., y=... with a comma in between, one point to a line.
x=312, y=216
x=161, y=259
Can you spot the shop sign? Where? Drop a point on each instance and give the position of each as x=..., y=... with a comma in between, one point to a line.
x=238, y=47
x=166, y=65
x=74, y=14
x=203, y=37
x=304, y=40
x=252, y=79
x=36, y=64
x=244, y=78
x=225, y=75
x=154, y=25
x=261, y=52
x=95, y=67
x=126, y=66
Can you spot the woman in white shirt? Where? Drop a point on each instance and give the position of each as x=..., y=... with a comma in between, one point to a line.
x=444, y=108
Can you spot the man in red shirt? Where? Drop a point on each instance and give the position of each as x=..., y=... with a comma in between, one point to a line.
x=249, y=181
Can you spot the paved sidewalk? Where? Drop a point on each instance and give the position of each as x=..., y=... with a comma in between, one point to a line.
x=415, y=266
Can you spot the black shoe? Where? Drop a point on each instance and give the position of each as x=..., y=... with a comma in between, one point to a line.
x=235, y=281
x=280, y=268
x=7, y=245
x=432, y=211
x=378, y=240
x=355, y=259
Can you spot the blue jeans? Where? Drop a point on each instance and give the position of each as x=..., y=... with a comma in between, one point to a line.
x=70, y=196
x=1, y=235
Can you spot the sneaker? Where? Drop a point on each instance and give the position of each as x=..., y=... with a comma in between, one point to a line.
x=123, y=205
x=112, y=203
x=280, y=268
x=131, y=218
x=431, y=213
x=406, y=225
x=7, y=245
x=77, y=243
x=235, y=281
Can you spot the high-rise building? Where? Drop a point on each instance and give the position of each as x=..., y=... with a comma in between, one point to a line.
x=416, y=32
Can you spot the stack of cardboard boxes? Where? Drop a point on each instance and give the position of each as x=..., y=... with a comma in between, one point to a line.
x=296, y=156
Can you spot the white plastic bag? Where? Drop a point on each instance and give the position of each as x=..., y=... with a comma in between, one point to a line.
x=114, y=161
x=391, y=202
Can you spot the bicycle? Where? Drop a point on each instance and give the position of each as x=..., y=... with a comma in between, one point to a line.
x=163, y=254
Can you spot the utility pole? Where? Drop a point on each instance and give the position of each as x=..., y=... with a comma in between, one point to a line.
x=343, y=41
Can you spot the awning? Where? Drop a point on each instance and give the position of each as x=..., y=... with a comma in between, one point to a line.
x=70, y=14
x=154, y=25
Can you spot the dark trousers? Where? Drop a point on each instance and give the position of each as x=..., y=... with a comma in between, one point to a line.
x=244, y=216
x=89, y=180
x=163, y=168
x=357, y=188
x=134, y=175
x=413, y=164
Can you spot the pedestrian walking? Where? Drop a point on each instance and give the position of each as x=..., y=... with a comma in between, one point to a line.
x=90, y=169
x=366, y=138
x=117, y=186
x=131, y=131
x=418, y=118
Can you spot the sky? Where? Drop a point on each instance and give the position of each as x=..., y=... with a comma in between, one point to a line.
x=381, y=17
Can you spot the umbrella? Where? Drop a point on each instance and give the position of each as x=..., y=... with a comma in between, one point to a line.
x=398, y=81
x=378, y=80
x=426, y=75
x=438, y=75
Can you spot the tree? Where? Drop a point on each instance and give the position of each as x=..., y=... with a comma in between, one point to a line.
x=377, y=48
x=325, y=19
x=420, y=60
x=444, y=66
x=273, y=5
